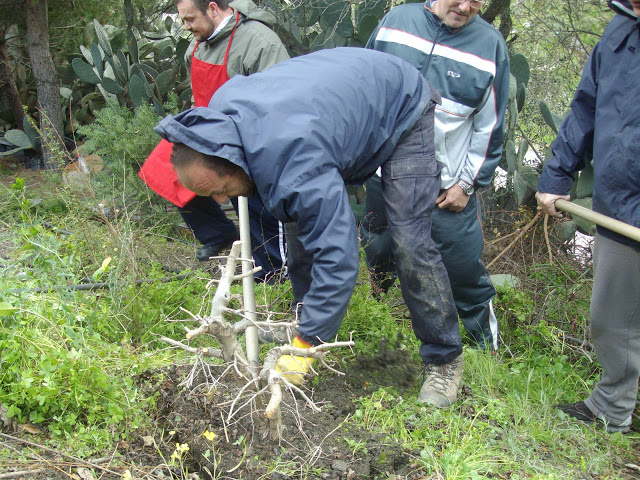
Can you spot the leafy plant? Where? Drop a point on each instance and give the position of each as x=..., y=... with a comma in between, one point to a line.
x=522, y=178
x=318, y=24
x=143, y=72
x=25, y=139
x=356, y=446
x=122, y=137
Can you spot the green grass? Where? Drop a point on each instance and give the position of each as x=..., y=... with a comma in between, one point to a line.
x=91, y=346
x=505, y=426
x=505, y=422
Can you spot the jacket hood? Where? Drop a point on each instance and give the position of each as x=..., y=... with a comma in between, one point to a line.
x=176, y=129
x=253, y=12
x=623, y=7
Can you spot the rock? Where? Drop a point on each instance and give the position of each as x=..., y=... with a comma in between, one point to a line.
x=340, y=465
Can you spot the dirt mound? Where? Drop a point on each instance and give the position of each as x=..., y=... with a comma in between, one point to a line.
x=313, y=444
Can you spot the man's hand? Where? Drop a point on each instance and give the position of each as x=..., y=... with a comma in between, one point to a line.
x=294, y=368
x=453, y=199
x=547, y=202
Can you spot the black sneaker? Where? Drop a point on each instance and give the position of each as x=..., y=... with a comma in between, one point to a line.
x=205, y=253
x=581, y=412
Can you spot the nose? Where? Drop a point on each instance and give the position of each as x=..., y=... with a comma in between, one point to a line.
x=465, y=6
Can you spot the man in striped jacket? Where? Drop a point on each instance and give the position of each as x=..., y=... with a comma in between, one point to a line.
x=466, y=60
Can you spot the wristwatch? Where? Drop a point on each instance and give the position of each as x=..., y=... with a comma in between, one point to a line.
x=466, y=187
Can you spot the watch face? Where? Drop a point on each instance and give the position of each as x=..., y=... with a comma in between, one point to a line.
x=466, y=188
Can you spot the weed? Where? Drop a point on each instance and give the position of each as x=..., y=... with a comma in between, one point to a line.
x=69, y=359
x=356, y=446
x=119, y=134
x=178, y=458
x=211, y=455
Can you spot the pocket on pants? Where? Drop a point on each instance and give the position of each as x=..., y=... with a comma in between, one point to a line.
x=413, y=168
x=410, y=189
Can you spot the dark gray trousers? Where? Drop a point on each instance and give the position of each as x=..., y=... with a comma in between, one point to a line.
x=410, y=186
x=615, y=329
x=459, y=239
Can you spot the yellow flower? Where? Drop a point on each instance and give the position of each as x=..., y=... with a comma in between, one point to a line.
x=182, y=447
x=209, y=435
x=127, y=475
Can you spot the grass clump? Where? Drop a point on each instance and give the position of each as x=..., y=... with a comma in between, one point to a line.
x=504, y=423
x=69, y=358
x=57, y=375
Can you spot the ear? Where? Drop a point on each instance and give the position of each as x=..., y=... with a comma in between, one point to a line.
x=213, y=9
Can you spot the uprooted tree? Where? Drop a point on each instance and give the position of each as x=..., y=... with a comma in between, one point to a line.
x=261, y=386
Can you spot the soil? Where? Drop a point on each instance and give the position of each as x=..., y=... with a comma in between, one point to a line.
x=313, y=442
x=313, y=445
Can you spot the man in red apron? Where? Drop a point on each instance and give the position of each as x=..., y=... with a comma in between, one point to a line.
x=229, y=39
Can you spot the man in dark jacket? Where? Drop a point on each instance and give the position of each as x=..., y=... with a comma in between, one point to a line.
x=297, y=133
x=604, y=125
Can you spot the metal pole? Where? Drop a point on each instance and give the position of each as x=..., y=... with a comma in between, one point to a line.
x=612, y=224
x=248, y=284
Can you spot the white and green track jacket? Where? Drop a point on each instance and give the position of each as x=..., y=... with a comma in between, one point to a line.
x=469, y=67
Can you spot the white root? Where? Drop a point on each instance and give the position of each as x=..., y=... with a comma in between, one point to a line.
x=268, y=379
x=205, y=351
x=274, y=379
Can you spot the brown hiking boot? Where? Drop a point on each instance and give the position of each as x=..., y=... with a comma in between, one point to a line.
x=440, y=386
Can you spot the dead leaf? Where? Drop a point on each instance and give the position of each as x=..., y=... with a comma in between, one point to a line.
x=123, y=444
x=148, y=441
x=27, y=427
x=632, y=466
x=85, y=473
x=94, y=162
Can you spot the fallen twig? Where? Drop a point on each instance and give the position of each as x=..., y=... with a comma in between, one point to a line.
x=22, y=473
x=205, y=351
x=524, y=230
x=546, y=237
x=57, y=452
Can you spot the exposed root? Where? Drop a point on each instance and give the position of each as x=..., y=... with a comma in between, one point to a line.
x=262, y=382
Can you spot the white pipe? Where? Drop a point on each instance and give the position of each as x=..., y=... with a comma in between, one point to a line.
x=612, y=224
x=248, y=284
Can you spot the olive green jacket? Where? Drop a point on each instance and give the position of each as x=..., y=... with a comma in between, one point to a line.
x=254, y=48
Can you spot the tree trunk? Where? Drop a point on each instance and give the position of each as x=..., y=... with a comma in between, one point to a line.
x=502, y=9
x=129, y=14
x=8, y=89
x=47, y=83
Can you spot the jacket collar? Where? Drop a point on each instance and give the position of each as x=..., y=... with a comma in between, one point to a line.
x=626, y=23
x=207, y=131
x=623, y=7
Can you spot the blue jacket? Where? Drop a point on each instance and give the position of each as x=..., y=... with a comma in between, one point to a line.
x=604, y=124
x=301, y=130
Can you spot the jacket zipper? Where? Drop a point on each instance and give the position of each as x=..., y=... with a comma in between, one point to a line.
x=433, y=46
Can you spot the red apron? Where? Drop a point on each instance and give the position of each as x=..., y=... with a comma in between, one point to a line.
x=157, y=171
